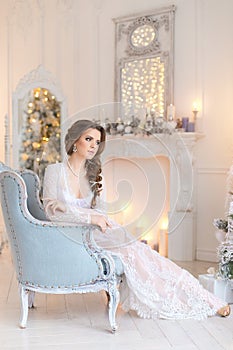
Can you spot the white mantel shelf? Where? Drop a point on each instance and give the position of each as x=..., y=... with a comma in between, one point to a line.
x=144, y=146
x=180, y=149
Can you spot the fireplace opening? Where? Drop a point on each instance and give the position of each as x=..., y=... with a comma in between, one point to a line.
x=138, y=197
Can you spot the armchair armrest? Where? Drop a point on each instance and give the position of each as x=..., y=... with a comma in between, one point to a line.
x=60, y=246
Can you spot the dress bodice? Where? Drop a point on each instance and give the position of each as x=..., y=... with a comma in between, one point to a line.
x=78, y=202
x=69, y=196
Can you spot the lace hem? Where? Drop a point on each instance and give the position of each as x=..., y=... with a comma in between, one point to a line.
x=163, y=290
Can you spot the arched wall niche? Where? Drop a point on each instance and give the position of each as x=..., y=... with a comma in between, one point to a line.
x=37, y=78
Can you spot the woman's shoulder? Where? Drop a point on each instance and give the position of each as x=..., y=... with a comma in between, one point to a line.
x=54, y=167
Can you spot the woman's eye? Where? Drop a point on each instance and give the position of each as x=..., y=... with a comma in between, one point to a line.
x=89, y=139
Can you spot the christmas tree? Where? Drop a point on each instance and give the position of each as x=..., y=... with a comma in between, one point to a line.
x=225, y=249
x=41, y=134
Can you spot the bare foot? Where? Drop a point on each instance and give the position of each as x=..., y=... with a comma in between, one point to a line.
x=224, y=311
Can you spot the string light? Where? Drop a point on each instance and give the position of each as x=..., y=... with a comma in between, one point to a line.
x=143, y=83
x=40, y=143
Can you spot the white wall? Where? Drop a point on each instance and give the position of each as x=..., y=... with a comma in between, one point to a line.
x=75, y=41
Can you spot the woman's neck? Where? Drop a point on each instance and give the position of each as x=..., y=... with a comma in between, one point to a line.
x=76, y=165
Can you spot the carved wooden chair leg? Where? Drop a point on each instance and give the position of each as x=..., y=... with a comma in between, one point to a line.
x=114, y=296
x=31, y=298
x=24, y=306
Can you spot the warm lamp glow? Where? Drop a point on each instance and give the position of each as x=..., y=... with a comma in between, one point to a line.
x=149, y=237
x=195, y=107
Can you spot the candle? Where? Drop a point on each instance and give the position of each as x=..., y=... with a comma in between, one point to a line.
x=191, y=127
x=163, y=242
x=195, y=110
x=171, y=112
x=185, y=122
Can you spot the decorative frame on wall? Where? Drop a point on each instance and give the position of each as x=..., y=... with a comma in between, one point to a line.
x=144, y=62
x=38, y=77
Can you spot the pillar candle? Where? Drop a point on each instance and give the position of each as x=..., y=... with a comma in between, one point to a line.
x=163, y=242
x=185, y=122
x=171, y=112
x=191, y=127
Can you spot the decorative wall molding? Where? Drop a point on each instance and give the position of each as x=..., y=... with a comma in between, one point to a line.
x=38, y=77
x=65, y=11
x=153, y=47
x=212, y=171
x=65, y=5
x=206, y=255
x=98, y=4
x=22, y=15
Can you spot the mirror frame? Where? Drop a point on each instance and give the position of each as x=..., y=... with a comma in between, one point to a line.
x=162, y=20
x=38, y=77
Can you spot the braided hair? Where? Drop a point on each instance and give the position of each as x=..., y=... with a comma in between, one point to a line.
x=93, y=166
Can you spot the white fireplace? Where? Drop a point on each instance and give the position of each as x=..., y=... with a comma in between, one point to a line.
x=179, y=148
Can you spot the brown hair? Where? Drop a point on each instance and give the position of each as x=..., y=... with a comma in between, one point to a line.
x=93, y=166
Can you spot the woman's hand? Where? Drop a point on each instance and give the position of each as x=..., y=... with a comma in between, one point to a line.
x=101, y=221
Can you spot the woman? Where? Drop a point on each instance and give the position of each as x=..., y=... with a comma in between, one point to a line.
x=153, y=285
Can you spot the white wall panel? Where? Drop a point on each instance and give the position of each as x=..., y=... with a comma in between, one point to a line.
x=75, y=42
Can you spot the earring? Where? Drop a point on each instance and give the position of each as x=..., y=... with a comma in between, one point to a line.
x=75, y=148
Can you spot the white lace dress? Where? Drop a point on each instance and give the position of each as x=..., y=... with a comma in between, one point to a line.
x=153, y=286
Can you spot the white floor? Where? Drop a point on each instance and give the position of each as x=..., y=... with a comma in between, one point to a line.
x=81, y=322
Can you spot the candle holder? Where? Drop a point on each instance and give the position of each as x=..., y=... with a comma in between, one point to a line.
x=195, y=111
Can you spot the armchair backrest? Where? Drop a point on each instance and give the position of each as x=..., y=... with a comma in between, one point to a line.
x=44, y=253
x=34, y=204
x=32, y=183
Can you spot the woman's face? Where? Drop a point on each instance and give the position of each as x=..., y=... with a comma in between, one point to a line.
x=88, y=143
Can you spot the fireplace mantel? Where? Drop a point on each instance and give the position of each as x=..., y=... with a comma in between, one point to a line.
x=180, y=150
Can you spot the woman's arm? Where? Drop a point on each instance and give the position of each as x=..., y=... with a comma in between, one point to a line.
x=57, y=209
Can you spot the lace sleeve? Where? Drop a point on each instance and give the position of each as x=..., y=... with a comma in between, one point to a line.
x=56, y=208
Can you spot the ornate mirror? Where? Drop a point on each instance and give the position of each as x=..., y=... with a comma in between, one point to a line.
x=144, y=62
x=39, y=108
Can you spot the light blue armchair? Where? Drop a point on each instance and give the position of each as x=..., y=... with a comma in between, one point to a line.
x=51, y=257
